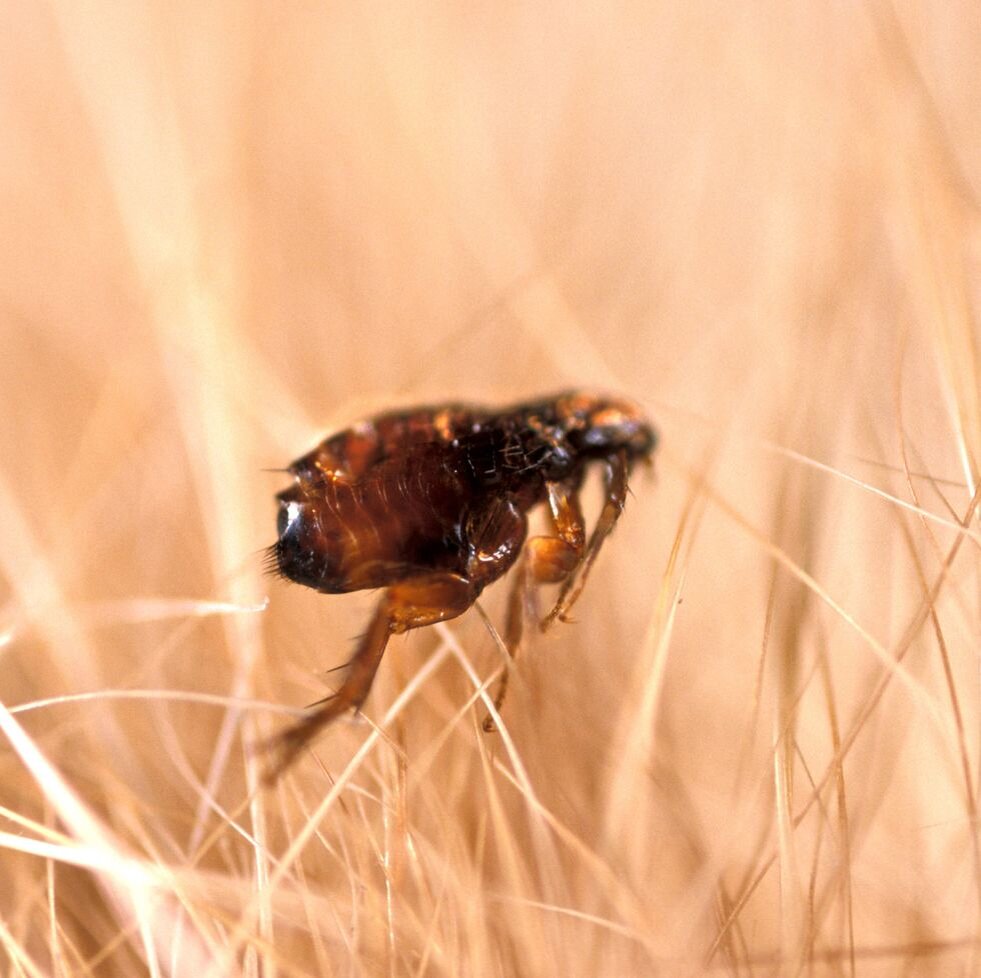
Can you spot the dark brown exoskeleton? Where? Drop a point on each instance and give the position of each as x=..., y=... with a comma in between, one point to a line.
x=431, y=504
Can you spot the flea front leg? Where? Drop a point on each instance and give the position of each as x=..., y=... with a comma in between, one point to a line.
x=551, y=559
x=420, y=601
x=615, y=483
x=546, y=560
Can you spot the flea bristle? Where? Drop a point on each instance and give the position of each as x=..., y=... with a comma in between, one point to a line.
x=270, y=561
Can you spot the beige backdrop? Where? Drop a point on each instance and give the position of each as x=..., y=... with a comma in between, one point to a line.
x=229, y=228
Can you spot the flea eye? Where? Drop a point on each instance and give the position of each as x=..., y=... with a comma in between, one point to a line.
x=597, y=437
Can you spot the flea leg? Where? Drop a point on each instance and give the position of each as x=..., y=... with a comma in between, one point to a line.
x=546, y=560
x=615, y=481
x=415, y=603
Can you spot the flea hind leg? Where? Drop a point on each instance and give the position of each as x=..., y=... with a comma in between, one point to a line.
x=414, y=603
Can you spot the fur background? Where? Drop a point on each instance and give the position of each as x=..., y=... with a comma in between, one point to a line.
x=229, y=228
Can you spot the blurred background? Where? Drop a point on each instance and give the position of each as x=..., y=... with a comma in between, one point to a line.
x=231, y=228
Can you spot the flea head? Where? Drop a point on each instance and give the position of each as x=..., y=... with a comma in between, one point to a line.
x=598, y=425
